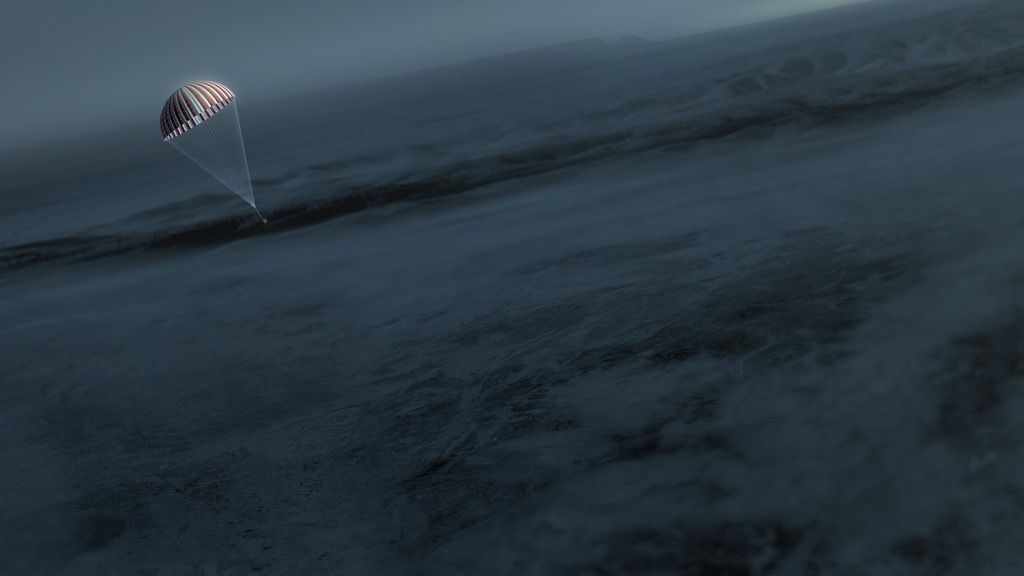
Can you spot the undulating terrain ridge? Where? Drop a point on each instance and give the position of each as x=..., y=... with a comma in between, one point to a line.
x=700, y=307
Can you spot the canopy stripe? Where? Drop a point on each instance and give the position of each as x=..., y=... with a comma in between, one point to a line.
x=191, y=105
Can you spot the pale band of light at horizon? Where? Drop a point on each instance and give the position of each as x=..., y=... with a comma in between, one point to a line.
x=191, y=105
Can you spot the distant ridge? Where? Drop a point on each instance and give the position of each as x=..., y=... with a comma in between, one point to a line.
x=530, y=62
x=88, y=154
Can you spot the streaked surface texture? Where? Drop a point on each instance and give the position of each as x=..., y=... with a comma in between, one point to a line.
x=747, y=303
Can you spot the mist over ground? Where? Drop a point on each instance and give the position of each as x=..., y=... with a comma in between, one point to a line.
x=738, y=303
x=93, y=65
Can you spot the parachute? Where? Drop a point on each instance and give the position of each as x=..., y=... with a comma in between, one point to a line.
x=200, y=120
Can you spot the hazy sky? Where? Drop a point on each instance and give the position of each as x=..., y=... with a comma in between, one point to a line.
x=71, y=65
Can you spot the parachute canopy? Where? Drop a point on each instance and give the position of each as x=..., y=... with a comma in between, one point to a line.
x=200, y=119
x=191, y=105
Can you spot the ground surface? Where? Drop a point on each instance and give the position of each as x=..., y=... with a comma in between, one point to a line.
x=729, y=314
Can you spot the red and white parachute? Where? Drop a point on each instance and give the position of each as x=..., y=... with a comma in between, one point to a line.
x=200, y=119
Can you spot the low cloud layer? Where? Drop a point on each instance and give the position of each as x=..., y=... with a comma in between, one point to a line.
x=74, y=67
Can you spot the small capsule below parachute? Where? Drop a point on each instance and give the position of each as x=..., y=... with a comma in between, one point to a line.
x=200, y=119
